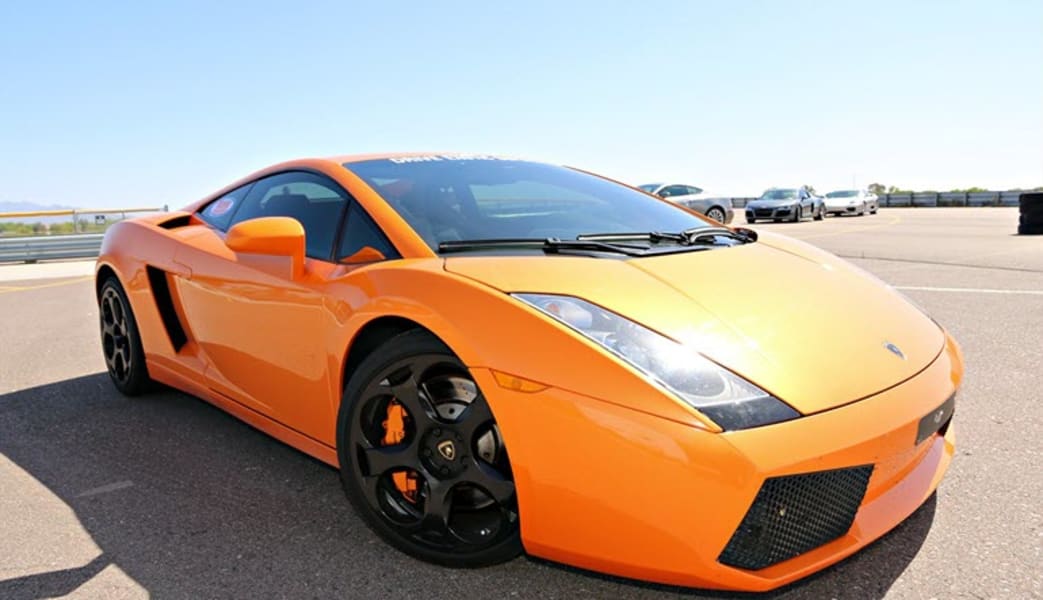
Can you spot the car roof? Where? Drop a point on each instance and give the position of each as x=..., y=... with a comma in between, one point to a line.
x=353, y=158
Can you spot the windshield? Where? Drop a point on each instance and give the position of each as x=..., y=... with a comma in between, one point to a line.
x=843, y=194
x=649, y=187
x=779, y=195
x=447, y=198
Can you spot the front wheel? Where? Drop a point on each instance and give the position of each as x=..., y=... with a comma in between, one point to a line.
x=796, y=214
x=422, y=459
x=120, y=340
x=821, y=214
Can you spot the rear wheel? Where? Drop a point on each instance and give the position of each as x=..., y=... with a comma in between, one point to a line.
x=716, y=213
x=821, y=214
x=120, y=341
x=422, y=459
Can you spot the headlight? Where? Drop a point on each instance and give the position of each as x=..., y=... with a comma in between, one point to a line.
x=731, y=401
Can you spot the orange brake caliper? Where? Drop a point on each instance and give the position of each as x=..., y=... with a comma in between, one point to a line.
x=394, y=433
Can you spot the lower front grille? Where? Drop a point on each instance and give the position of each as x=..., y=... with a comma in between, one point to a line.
x=794, y=514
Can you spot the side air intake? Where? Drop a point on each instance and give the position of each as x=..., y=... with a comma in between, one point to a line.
x=157, y=279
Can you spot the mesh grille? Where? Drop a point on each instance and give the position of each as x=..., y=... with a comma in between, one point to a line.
x=794, y=514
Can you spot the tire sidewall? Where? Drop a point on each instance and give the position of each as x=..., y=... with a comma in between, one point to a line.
x=138, y=382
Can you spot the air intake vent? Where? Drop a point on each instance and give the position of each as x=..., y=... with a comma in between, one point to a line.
x=175, y=222
x=157, y=279
x=794, y=514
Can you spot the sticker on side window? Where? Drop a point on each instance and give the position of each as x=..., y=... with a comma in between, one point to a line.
x=222, y=206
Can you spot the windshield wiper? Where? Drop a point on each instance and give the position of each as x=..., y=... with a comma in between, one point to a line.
x=697, y=234
x=548, y=245
x=688, y=237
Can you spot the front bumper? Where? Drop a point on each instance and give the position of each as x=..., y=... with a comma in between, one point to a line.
x=782, y=212
x=840, y=210
x=615, y=490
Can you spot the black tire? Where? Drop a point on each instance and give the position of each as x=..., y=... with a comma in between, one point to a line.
x=462, y=508
x=120, y=341
x=821, y=214
x=1031, y=202
x=874, y=209
x=796, y=214
x=862, y=211
x=1030, y=229
x=1033, y=219
x=717, y=214
x=751, y=220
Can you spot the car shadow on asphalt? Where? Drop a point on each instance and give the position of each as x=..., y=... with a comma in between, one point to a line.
x=189, y=502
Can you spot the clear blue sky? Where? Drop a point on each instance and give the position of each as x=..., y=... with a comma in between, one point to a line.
x=118, y=103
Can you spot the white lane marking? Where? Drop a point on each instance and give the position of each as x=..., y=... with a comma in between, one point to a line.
x=105, y=489
x=969, y=290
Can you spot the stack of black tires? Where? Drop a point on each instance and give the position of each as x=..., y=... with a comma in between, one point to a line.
x=1031, y=220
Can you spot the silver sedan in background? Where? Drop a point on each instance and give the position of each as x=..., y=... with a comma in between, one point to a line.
x=852, y=202
x=716, y=207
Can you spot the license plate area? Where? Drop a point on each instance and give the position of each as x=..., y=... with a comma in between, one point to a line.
x=934, y=420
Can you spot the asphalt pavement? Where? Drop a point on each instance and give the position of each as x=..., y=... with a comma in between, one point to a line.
x=165, y=496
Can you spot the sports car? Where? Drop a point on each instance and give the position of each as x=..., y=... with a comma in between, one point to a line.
x=851, y=202
x=503, y=356
x=791, y=204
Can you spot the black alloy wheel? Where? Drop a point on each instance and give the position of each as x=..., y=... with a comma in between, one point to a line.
x=120, y=341
x=422, y=458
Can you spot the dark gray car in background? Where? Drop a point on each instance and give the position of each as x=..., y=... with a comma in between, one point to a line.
x=786, y=204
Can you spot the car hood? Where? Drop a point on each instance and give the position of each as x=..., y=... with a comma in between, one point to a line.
x=797, y=321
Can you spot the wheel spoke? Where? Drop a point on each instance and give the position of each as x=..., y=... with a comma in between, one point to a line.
x=438, y=504
x=492, y=481
x=382, y=460
x=474, y=417
x=407, y=392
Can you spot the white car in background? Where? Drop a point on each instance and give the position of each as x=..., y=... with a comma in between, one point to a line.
x=717, y=207
x=852, y=202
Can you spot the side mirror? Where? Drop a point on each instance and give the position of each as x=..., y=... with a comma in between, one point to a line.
x=277, y=242
x=366, y=254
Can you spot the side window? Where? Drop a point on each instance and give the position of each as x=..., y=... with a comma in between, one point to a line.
x=674, y=190
x=692, y=190
x=219, y=212
x=314, y=200
x=361, y=231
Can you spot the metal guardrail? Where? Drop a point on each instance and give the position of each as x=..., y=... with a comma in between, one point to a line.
x=32, y=248
x=1004, y=198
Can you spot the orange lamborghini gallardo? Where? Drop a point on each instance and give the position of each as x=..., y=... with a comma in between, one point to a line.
x=503, y=356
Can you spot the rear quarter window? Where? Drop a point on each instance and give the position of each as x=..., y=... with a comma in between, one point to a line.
x=220, y=211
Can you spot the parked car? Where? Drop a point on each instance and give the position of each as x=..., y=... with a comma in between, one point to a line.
x=791, y=204
x=852, y=202
x=715, y=206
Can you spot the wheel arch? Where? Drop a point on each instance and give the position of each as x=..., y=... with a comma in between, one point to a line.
x=370, y=336
x=101, y=275
x=723, y=210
